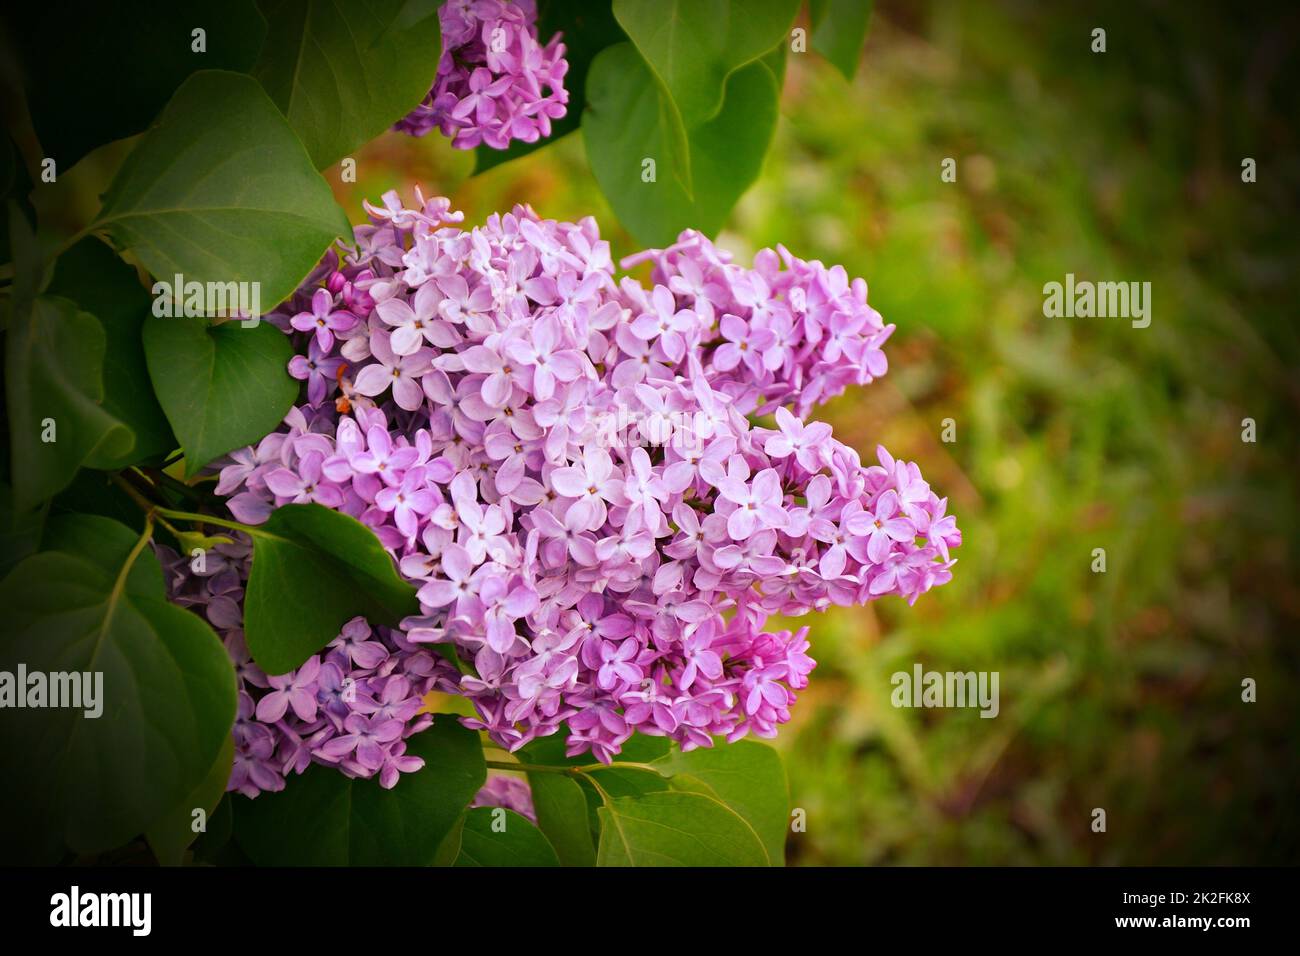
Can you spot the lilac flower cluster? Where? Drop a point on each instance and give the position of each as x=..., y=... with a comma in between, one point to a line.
x=495, y=82
x=352, y=706
x=563, y=464
x=502, y=790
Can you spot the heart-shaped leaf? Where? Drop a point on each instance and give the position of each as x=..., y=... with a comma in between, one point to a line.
x=314, y=569
x=632, y=131
x=323, y=818
x=222, y=190
x=94, y=604
x=221, y=385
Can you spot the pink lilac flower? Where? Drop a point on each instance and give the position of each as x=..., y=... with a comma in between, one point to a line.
x=318, y=369
x=495, y=82
x=287, y=722
x=581, y=483
x=323, y=319
x=503, y=790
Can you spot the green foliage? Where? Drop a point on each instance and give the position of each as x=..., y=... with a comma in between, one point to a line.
x=747, y=777
x=516, y=843
x=1121, y=689
x=839, y=29
x=693, y=46
x=323, y=818
x=172, y=833
x=89, y=275
x=1071, y=435
x=672, y=828
x=222, y=385
x=94, y=601
x=342, y=72
x=561, y=809
x=221, y=186
x=54, y=375
x=314, y=569
x=725, y=805
x=223, y=169
x=692, y=86
x=699, y=172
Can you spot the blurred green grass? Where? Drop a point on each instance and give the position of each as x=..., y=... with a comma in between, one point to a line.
x=1119, y=690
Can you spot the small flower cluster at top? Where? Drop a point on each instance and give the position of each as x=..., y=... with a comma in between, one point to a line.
x=495, y=82
x=460, y=388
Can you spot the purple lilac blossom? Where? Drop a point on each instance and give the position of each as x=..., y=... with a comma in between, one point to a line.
x=352, y=706
x=502, y=790
x=603, y=559
x=495, y=82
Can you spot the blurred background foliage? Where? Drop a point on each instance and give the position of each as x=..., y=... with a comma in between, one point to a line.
x=1119, y=690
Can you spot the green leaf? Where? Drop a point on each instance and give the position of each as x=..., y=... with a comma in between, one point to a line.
x=839, y=30
x=746, y=776
x=95, y=602
x=673, y=828
x=222, y=190
x=97, y=281
x=588, y=28
x=171, y=834
x=562, y=815
x=622, y=781
x=314, y=569
x=693, y=46
x=54, y=359
x=566, y=806
x=518, y=843
x=323, y=818
x=222, y=386
x=343, y=71
x=629, y=120
x=127, y=63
